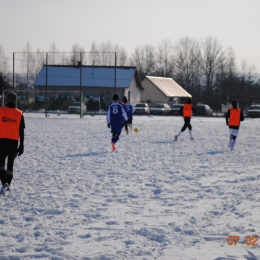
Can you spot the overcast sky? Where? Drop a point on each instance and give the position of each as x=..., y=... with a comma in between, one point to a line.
x=130, y=24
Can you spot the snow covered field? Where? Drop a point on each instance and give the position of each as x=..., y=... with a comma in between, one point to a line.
x=72, y=198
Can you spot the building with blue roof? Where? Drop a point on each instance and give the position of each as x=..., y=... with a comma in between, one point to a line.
x=96, y=81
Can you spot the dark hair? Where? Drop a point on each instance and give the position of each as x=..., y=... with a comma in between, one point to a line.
x=125, y=99
x=11, y=98
x=234, y=103
x=115, y=97
x=188, y=100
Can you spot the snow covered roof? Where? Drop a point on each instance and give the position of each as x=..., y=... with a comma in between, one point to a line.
x=168, y=86
x=92, y=76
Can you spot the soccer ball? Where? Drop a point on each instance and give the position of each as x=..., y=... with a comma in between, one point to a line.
x=136, y=130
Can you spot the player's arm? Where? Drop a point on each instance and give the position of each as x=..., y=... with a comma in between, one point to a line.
x=108, y=116
x=21, y=130
x=133, y=109
x=181, y=111
x=21, y=133
x=227, y=116
x=242, y=115
x=124, y=114
x=193, y=109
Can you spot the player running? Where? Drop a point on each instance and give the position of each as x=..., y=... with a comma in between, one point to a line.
x=233, y=118
x=186, y=112
x=129, y=111
x=116, y=115
x=11, y=131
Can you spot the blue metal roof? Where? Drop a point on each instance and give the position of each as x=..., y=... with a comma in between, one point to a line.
x=92, y=76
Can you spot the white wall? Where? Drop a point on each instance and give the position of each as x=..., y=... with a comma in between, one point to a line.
x=152, y=93
x=135, y=94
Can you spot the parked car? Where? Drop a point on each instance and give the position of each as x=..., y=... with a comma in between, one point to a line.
x=142, y=108
x=203, y=110
x=253, y=111
x=74, y=108
x=160, y=109
x=175, y=109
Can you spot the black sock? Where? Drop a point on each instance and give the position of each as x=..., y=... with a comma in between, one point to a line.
x=3, y=176
x=9, y=178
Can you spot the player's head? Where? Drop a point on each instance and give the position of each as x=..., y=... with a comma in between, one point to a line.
x=188, y=100
x=234, y=103
x=125, y=99
x=11, y=98
x=115, y=97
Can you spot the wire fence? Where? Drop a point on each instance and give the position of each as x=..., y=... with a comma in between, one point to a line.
x=59, y=103
x=27, y=65
x=61, y=100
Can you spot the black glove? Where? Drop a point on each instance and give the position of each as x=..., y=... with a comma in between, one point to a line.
x=20, y=150
x=108, y=126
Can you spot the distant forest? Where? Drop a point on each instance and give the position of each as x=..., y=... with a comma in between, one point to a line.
x=206, y=69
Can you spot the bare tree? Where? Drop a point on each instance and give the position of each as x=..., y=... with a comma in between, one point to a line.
x=53, y=55
x=107, y=54
x=75, y=57
x=64, y=60
x=28, y=64
x=150, y=59
x=165, y=59
x=248, y=72
x=40, y=60
x=56, y=57
x=137, y=59
x=211, y=63
x=226, y=85
x=3, y=62
x=144, y=58
x=121, y=56
x=3, y=70
x=187, y=65
x=230, y=61
x=94, y=55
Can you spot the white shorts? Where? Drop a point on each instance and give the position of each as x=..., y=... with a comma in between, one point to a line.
x=233, y=132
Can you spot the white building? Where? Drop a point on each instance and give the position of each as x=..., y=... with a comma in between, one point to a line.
x=161, y=90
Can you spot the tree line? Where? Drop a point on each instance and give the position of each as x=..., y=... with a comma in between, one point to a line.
x=206, y=69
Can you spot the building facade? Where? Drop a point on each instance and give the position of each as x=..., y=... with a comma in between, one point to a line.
x=92, y=81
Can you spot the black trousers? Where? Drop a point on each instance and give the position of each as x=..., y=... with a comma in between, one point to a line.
x=128, y=122
x=186, y=124
x=8, y=150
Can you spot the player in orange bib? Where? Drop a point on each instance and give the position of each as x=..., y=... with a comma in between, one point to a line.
x=233, y=118
x=11, y=133
x=186, y=111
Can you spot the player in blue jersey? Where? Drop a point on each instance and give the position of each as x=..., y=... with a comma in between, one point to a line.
x=116, y=115
x=129, y=111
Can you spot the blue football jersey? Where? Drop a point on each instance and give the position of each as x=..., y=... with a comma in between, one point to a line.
x=116, y=114
x=129, y=110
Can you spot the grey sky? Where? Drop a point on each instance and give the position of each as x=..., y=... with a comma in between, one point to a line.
x=130, y=24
